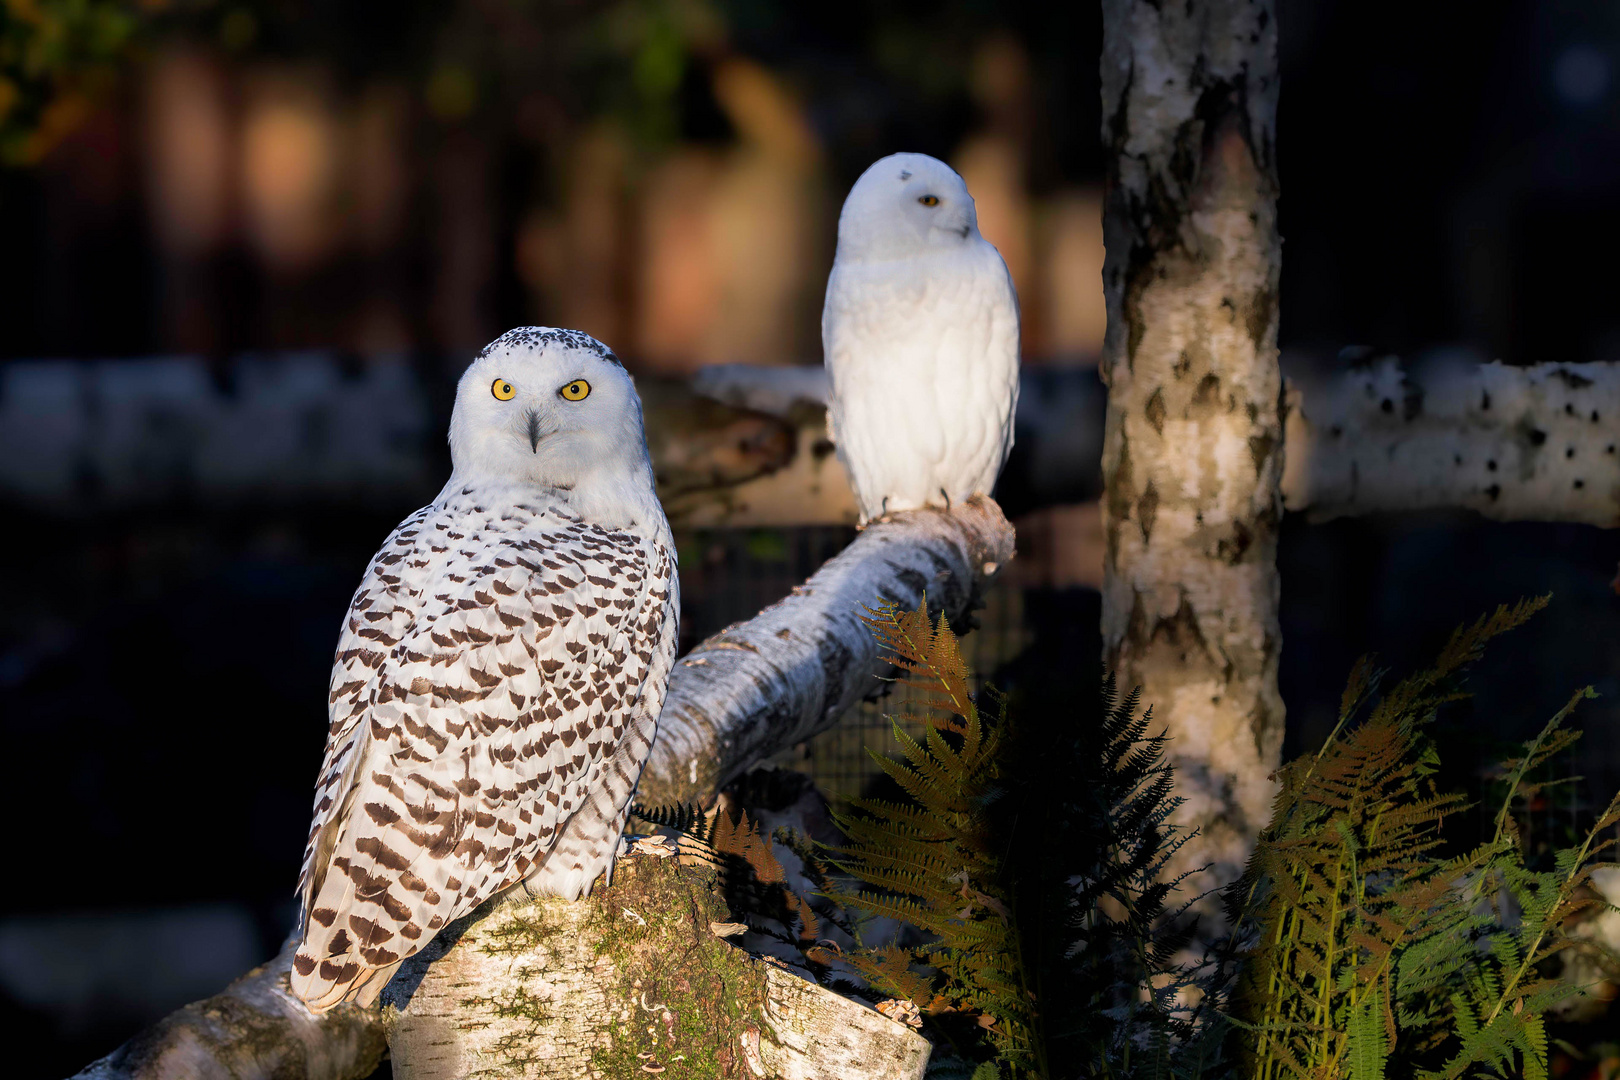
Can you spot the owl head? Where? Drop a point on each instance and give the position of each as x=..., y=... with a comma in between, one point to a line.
x=906, y=204
x=552, y=408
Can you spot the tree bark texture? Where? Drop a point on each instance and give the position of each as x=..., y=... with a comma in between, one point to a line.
x=1193, y=441
x=252, y=1030
x=633, y=981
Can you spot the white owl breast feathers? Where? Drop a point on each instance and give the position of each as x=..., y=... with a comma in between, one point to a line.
x=920, y=332
x=500, y=672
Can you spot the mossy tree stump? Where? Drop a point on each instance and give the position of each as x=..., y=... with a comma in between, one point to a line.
x=631, y=982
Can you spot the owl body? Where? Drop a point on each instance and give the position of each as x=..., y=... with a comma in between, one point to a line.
x=495, y=695
x=920, y=332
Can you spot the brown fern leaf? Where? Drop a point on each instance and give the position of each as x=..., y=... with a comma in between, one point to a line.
x=929, y=655
x=1361, y=934
x=932, y=862
x=742, y=839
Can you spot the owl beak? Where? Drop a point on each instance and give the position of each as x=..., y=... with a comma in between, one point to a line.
x=534, y=431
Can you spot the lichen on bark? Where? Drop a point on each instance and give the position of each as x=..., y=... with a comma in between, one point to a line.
x=691, y=997
x=629, y=981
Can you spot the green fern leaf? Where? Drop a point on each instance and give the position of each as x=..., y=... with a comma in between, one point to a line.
x=1369, y=1045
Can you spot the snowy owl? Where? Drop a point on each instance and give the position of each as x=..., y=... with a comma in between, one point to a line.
x=920, y=331
x=500, y=672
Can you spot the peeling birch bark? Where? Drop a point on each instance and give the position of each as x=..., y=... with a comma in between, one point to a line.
x=1512, y=443
x=796, y=667
x=1193, y=442
x=629, y=982
x=1347, y=452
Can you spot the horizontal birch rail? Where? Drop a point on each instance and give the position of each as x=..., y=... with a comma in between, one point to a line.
x=1511, y=443
x=745, y=445
x=1531, y=443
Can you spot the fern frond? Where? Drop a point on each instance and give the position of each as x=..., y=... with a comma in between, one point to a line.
x=687, y=818
x=930, y=862
x=1370, y=954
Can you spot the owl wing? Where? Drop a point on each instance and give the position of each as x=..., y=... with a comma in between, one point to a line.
x=880, y=337
x=384, y=607
x=589, y=841
x=999, y=378
x=470, y=720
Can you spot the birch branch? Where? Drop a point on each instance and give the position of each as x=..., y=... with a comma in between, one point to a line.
x=796, y=667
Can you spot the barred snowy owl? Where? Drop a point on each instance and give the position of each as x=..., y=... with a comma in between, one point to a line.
x=500, y=673
x=920, y=332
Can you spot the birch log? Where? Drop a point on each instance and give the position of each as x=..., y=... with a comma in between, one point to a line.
x=1193, y=442
x=253, y=1030
x=632, y=982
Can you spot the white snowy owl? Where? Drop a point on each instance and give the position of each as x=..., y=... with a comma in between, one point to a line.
x=500, y=672
x=920, y=331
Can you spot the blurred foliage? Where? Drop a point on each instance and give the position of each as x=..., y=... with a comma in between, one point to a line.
x=535, y=64
x=57, y=59
x=877, y=75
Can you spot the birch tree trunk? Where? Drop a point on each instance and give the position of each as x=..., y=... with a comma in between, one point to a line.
x=1193, y=446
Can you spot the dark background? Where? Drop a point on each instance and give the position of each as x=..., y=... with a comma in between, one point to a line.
x=1451, y=180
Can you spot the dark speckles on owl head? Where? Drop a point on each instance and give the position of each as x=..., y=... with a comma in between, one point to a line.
x=538, y=337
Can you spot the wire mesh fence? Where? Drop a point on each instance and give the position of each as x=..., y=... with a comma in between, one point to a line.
x=729, y=575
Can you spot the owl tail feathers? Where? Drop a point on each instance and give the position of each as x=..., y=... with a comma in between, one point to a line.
x=322, y=984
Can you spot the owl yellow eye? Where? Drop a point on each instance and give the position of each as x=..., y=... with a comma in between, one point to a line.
x=503, y=390
x=576, y=390
x=929, y=200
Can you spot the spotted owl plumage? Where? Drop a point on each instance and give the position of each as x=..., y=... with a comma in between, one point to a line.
x=495, y=694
